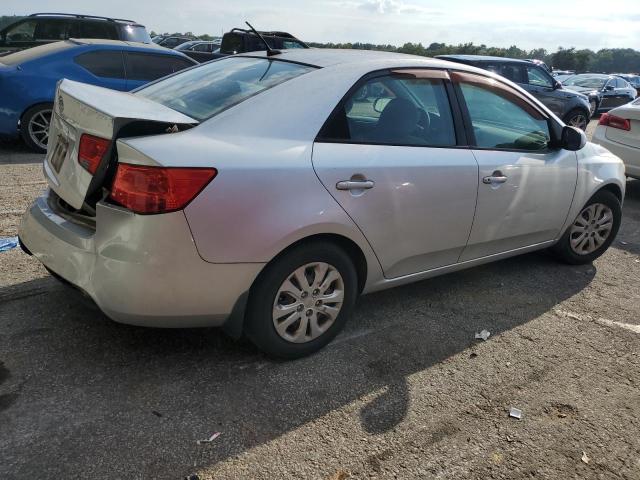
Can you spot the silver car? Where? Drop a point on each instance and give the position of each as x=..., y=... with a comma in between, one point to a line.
x=264, y=192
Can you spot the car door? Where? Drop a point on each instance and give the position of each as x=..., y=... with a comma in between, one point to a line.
x=610, y=98
x=525, y=186
x=542, y=86
x=624, y=92
x=393, y=155
x=106, y=68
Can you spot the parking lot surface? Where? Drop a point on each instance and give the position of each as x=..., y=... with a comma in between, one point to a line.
x=406, y=391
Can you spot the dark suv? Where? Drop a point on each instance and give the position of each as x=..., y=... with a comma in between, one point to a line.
x=239, y=40
x=572, y=107
x=42, y=28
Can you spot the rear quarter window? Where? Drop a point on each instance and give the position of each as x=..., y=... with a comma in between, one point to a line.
x=95, y=29
x=149, y=66
x=107, y=64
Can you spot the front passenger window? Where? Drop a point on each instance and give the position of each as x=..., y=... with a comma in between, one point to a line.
x=537, y=78
x=502, y=120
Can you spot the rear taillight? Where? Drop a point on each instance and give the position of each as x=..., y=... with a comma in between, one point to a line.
x=613, y=121
x=91, y=152
x=150, y=190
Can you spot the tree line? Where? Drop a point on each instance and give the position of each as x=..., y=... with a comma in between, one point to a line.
x=608, y=60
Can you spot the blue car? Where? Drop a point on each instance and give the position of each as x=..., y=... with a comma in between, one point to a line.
x=28, y=78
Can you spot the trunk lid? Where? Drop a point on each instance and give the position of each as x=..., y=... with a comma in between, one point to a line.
x=80, y=109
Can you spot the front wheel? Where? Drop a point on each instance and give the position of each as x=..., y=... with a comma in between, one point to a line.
x=302, y=300
x=593, y=230
x=577, y=118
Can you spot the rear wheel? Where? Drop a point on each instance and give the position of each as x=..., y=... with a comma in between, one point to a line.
x=34, y=127
x=577, y=118
x=592, y=231
x=302, y=300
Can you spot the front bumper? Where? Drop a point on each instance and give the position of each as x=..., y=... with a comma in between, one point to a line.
x=629, y=155
x=139, y=269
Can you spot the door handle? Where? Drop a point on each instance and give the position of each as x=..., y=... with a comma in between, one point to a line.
x=497, y=177
x=355, y=185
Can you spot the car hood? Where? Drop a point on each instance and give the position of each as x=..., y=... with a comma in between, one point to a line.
x=582, y=90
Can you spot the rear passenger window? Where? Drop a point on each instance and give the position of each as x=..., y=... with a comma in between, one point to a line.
x=97, y=29
x=52, y=29
x=502, y=120
x=146, y=66
x=515, y=73
x=394, y=110
x=102, y=64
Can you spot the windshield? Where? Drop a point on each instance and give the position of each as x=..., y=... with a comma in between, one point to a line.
x=136, y=33
x=205, y=91
x=586, y=82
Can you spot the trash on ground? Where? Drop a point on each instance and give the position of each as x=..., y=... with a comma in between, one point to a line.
x=210, y=439
x=192, y=477
x=484, y=335
x=585, y=458
x=515, y=413
x=8, y=243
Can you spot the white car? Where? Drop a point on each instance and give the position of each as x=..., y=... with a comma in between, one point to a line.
x=619, y=132
x=264, y=192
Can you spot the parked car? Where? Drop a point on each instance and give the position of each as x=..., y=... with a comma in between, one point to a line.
x=240, y=40
x=573, y=108
x=28, y=78
x=42, y=28
x=619, y=132
x=264, y=192
x=199, y=50
x=634, y=80
x=171, y=41
x=557, y=73
x=607, y=91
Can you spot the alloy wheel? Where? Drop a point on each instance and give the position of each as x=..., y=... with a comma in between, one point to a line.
x=308, y=302
x=579, y=121
x=39, y=128
x=591, y=229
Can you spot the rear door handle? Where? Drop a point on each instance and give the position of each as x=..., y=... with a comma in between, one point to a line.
x=497, y=177
x=355, y=185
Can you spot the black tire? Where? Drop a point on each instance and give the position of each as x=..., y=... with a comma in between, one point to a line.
x=563, y=250
x=572, y=118
x=259, y=326
x=27, y=118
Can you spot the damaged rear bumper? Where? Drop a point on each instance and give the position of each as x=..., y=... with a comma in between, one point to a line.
x=139, y=269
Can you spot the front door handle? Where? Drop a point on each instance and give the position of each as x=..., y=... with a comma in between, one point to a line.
x=355, y=185
x=497, y=177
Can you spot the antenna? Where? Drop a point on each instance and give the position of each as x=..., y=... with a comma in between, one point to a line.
x=270, y=51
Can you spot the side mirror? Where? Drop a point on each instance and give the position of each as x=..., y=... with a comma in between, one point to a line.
x=557, y=85
x=573, y=139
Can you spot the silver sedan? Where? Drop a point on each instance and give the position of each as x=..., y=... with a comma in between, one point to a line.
x=264, y=193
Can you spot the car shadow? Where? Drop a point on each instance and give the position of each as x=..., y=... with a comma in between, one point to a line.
x=15, y=152
x=135, y=400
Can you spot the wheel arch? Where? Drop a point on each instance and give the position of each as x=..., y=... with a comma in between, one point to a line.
x=33, y=105
x=613, y=188
x=234, y=326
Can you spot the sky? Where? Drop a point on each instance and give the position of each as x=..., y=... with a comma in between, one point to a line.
x=502, y=23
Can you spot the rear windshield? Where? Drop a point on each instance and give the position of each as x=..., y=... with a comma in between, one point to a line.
x=29, y=54
x=136, y=33
x=205, y=91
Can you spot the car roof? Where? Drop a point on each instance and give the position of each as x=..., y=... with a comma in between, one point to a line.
x=486, y=58
x=117, y=43
x=594, y=75
x=326, y=57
